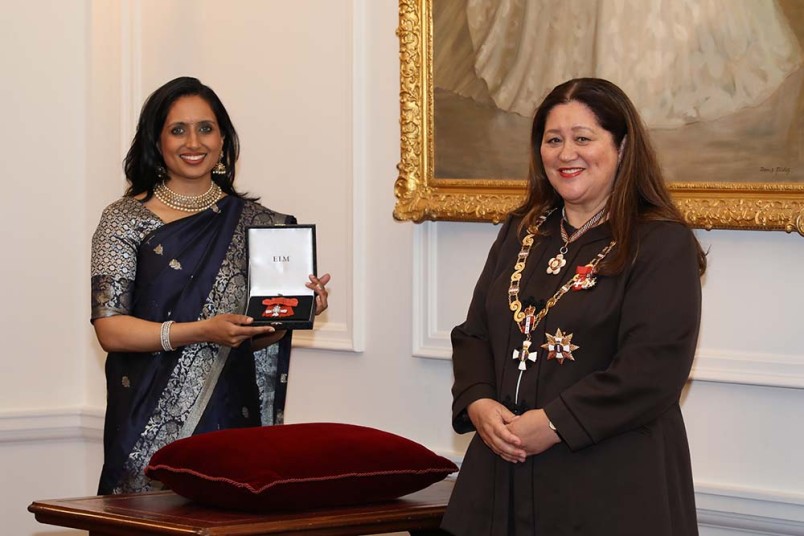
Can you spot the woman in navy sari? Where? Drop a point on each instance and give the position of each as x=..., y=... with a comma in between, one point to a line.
x=169, y=286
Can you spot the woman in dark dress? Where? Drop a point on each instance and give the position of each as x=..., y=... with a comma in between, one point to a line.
x=169, y=286
x=579, y=339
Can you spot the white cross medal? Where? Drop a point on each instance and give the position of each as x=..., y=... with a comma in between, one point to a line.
x=524, y=355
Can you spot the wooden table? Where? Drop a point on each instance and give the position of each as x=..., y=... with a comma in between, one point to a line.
x=164, y=512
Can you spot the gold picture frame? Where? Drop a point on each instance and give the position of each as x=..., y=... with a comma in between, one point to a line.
x=420, y=196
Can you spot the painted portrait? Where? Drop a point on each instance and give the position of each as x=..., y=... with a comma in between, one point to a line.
x=719, y=84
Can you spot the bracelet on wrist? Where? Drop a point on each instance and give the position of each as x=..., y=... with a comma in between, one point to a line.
x=553, y=428
x=164, y=336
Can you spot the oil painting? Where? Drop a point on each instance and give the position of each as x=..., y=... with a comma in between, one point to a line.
x=719, y=84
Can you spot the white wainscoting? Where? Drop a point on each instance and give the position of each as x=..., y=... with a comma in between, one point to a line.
x=749, y=368
x=751, y=510
x=429, y=340
x=724, y=507
x=43, y=425
x=46, y=454
x=713, y=365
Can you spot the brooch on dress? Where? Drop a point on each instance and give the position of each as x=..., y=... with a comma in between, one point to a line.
x=585, y=277
x=560, y=347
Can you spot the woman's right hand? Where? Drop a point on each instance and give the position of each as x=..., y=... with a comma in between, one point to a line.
x=490, y=419
x=124, y=333
x=231, y=330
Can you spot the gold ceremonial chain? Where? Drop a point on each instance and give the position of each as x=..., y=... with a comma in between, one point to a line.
x=513, y=291
x=555, y=264
x=188, y=203
x=516, y=306
x=528, y=319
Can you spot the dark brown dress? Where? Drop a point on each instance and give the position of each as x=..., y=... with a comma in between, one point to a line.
x=623, y=467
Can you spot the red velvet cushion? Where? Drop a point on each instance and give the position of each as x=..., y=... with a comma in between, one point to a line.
x=296, y=467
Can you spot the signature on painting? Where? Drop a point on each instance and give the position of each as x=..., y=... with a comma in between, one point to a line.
x=775, y=171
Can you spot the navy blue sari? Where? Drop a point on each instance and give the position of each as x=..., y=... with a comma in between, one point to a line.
x=186, y=270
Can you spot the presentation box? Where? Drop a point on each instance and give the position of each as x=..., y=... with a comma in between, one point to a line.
x=280, y=258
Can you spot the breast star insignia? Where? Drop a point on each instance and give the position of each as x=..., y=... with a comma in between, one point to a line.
x=559, y=347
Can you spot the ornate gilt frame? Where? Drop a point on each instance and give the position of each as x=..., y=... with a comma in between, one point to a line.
x=420, y=196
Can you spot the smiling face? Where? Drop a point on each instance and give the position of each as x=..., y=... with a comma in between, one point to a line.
x=190, y=144
x=580, y=158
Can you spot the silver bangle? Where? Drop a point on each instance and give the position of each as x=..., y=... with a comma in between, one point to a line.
x=164, y=336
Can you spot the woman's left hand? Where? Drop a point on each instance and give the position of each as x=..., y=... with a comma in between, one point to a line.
x=532, y=428
x=318, y=285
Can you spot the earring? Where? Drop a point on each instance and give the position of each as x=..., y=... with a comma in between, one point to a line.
x=220, y=167
x=161, y=172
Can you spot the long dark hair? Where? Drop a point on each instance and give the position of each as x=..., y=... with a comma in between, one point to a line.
x=144, y=161
x=639, y=192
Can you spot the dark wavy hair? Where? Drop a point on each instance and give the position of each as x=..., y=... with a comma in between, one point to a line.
x=639, y=192
x=144, y=160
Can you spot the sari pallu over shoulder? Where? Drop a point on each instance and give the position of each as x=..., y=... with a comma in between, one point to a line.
x=187, y=270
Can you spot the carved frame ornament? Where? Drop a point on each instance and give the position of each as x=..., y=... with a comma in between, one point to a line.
x=420, y=196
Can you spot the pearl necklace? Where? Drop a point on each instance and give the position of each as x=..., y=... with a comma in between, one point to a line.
x=188, y=203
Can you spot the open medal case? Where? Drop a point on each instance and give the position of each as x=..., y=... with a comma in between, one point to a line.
x=280, y=257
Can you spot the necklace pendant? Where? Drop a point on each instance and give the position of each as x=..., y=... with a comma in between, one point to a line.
x=524, y=355
x=555, y=264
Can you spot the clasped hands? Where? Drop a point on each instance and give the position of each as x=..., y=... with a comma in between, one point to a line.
x=512, y=437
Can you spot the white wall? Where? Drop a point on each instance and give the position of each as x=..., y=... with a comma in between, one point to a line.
x=43, y=283
x=44, y=109
x=312, y=86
